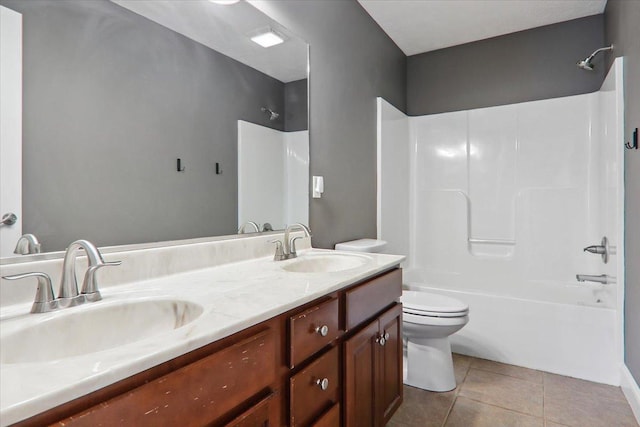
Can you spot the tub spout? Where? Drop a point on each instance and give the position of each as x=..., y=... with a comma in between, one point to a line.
x=602, y=278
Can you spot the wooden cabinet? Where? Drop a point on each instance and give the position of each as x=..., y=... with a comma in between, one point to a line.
x=196, y=394
x=322, y=364
x=315, y=389
x=312, y=329
x=373, y=371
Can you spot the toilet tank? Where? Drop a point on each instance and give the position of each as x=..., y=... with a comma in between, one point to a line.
x=362, y=245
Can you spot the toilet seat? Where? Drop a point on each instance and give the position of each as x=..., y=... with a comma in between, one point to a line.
x=434, y=320
x=432, y=305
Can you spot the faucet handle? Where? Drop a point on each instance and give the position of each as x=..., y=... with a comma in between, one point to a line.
x=44, y=300
x=279, y=255
x=293, y=246
x=90, y=285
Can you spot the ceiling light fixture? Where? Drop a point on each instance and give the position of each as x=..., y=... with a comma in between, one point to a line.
x=267, y=37
x=224, y=2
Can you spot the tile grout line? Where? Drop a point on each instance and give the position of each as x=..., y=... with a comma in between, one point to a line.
x=455, y=396
x=505, y=409
x=507, y=375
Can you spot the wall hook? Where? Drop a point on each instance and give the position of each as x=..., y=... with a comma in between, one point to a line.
x=180, y=167
x=633, y=145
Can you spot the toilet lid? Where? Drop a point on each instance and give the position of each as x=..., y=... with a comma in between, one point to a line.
x=427, y=304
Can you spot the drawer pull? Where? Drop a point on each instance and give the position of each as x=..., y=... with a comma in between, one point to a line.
x=323, y=330
x=382, y=339
x=323, y=383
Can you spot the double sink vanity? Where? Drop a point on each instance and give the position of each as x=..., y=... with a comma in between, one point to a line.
x=211, y=332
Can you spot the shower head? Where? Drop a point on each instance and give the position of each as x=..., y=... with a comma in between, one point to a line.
x=272, y=114
x=586, y=64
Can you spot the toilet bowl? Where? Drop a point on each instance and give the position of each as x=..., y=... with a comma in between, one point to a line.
x=427, y=322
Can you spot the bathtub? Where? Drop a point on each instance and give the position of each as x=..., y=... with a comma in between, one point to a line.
x=572, y=338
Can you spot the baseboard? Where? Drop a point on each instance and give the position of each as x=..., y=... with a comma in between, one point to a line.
x=631, y=391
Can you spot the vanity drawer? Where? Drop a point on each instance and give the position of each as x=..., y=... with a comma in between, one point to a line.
x=308, y=399
x=331, y=418
x=312, y=329
x=368, y=299
x=259, y=415
x=196, y=394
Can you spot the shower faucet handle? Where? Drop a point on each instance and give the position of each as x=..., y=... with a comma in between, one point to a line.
x=601, y=249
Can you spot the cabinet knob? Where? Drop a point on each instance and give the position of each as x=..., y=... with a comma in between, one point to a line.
x=323, y=383
x=381, y=340
x=323, y=330
x=386, y=336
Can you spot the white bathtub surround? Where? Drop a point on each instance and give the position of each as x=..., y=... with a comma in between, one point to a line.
x=273, y=175
x=502, y=201
x=235, y=283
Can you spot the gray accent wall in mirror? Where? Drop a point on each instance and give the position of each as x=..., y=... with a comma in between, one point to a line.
x=115, y=92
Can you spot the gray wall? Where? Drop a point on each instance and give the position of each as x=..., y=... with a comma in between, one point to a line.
x=352, y=62
x=111, y=99
x=622, y=21
x=296, y=111
x=528, y=65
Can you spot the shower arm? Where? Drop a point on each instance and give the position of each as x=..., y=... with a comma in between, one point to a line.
x=602, y=49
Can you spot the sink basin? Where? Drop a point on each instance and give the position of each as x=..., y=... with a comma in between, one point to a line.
x=90, y=329
x=325, y=263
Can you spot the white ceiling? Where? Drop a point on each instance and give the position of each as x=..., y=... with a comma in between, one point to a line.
x=226, y=30
x=418, y=26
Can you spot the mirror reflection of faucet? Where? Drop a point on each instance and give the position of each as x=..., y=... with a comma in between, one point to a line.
x=243, y=228
x=602, y=278
x=27, y=244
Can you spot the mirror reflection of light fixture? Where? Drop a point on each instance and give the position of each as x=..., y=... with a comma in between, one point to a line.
x=267, y=37
x=224, y=2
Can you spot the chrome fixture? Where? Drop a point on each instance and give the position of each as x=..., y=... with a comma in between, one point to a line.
x=267, y=227
x=44, y=300
x=8, y=219
x=272, y=114
x=602, y=278
x=586, y=63
x=68, y=295
x=27, y=244
x=287, y=250
x=253, y=224
x=601, y=249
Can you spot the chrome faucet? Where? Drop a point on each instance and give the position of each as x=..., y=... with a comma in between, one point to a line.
x=253, y=224
x=68, y=295
x=602, y=278
x=287, y=250
x=27, y=244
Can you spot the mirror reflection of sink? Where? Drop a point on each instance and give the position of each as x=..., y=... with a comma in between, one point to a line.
x=93, y=329
x=325, y=263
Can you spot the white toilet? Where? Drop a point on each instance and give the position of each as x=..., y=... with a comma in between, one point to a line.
x=427, y=322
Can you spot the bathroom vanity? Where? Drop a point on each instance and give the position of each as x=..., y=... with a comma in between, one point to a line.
x=277, y=343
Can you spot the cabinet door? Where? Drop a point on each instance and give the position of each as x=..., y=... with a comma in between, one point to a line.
x=389, y=395
x=360, y=370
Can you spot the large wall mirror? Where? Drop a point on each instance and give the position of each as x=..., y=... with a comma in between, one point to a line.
x=116, y=93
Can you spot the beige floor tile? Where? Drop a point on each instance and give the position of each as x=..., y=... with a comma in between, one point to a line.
x=461, y=365
x=422, y=408
x=552, y=424
x=584, y=410
x=469, y=413
x=504, y=391
x=510, y=370
x=559, y=386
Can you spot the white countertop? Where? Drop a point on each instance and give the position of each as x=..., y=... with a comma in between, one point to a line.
x=234, y=297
